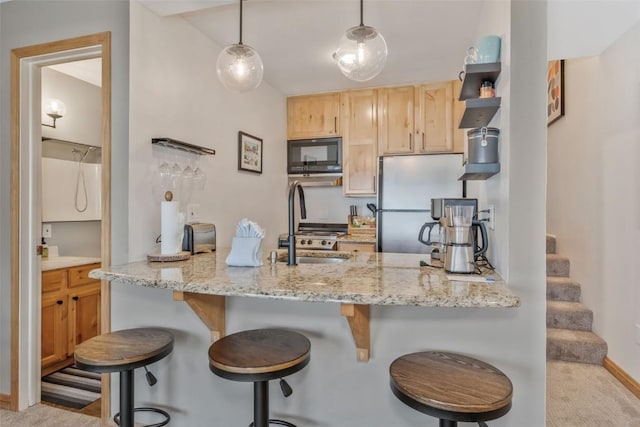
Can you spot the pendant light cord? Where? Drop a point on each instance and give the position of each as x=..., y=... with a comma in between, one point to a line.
x=361, y=14
x=240, y=22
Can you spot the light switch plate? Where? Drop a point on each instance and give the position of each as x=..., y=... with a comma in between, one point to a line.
x=46, y=230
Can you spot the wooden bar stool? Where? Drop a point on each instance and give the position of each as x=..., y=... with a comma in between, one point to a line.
x=123, y=351
x=258, y=356
x=451, y=387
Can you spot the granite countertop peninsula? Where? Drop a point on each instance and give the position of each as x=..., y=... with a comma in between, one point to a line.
x=364, y=278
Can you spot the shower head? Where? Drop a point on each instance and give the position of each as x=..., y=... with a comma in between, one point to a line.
x=90, y=149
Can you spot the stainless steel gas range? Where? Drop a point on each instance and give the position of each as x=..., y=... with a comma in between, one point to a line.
x=316, y=236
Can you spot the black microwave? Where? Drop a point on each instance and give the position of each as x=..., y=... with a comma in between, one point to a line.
x=321, y=155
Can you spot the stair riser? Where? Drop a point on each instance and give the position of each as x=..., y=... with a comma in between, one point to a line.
x=563, y=292
x=577, y=321
x=580, y=352
x=558, y=268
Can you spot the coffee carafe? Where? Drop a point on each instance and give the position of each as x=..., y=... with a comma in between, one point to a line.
x=459, y=243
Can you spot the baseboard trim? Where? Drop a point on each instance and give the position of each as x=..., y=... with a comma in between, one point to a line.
x=5, y=401
x=622, y=376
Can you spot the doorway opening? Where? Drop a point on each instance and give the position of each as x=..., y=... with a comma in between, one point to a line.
x=71, y=230
x=34, y=332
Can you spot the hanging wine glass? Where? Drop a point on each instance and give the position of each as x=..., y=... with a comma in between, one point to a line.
x=176, y=175
x=165, y=175
x=187, y=183
x=199, y=179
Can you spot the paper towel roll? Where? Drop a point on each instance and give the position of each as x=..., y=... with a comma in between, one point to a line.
x=169, y=228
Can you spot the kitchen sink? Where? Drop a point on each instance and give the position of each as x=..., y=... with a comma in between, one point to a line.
x=310, y=258
x=319, y=260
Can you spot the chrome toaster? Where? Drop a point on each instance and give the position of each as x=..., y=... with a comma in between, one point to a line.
x=199, y=237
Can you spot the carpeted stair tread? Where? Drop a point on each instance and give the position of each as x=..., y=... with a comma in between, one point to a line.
x=569, y=315
x=551, y=244
x=575, y=346
x=557, y=265
x=562, y=289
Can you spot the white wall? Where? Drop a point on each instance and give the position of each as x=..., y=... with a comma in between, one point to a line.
x=25, y=23
x=172, y=63
x=593, y=199
x=82, y=121
x=175, y=93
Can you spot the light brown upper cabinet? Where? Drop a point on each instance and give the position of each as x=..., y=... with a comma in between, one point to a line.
x=420, y=119
x=434, y=117
x=359, y=141
x=395, y=120
x=313, y=116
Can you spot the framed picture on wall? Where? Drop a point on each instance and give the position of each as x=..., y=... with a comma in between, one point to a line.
x=249, y=153
x=555, y=91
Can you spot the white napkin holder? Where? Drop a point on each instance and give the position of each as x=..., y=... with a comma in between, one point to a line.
x=245, y=252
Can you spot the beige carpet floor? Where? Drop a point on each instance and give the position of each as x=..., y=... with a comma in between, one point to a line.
x=583, y=395
x=46, y=416
x=578, y=395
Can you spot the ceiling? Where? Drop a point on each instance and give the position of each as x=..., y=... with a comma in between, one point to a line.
x=88, y=70
x=426, y=38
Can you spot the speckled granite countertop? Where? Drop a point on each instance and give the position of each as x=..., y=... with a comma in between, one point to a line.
x=365, y=278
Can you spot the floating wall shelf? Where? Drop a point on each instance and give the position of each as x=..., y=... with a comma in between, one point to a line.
x=478, y=112
x=478, y=171
x=184, y=146
x=474, y=75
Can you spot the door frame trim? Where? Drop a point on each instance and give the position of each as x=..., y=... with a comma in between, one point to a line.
x=17, y=123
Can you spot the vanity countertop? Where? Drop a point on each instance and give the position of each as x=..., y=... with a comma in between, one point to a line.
x=54, y=263
x=364, y=278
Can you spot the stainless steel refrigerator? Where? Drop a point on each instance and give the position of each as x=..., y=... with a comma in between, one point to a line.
x=406, y=186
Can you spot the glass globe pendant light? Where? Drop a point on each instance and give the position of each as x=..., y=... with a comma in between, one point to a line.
x=362, y=52
x=239, y=66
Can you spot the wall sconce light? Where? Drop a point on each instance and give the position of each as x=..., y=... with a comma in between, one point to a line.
x=55, y=109
x=362, y=52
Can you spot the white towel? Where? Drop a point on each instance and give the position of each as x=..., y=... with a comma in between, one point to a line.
x=245, y=252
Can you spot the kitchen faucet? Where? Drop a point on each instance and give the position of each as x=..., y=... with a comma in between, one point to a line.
x=291, y=241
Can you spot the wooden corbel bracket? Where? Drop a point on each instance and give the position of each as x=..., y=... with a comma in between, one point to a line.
x=358, y=317
x=209, y=308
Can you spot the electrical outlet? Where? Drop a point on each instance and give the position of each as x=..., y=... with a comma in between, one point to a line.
x=492, y=217
x=46, y=230
x=637, y=333
x=193, y=212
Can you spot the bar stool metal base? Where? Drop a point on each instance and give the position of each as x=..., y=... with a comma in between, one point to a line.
x=261, y=407
x=165, y=414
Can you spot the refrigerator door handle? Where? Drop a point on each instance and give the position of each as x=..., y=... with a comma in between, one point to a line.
x=403, y=210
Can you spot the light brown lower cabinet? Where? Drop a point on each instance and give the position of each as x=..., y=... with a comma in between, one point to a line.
x=70, y=311
x=356, y=247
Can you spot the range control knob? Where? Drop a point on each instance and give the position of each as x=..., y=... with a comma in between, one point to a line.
x=309, y=242
x=324, y=242
x=302, y=242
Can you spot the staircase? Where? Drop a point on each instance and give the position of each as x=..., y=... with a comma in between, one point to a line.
x=569, y=335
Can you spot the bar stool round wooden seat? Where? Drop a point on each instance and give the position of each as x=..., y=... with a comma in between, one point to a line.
x=258, y=356
x=451, y=387
x=123, y=351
